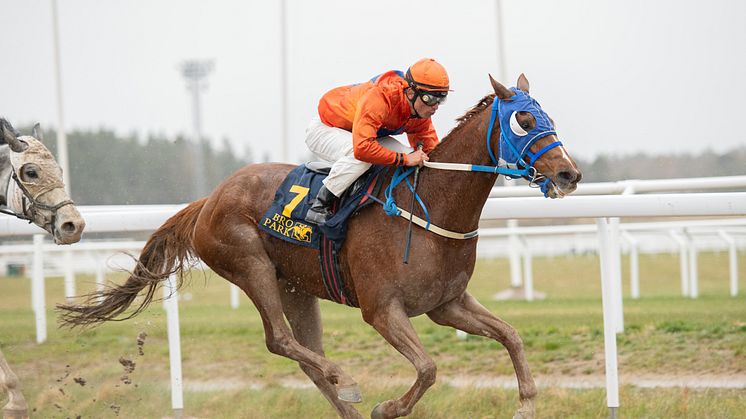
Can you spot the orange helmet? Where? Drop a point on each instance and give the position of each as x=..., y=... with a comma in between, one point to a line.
x=428, y=75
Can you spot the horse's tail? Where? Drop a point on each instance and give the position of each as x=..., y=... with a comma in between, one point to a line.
x=168, y=251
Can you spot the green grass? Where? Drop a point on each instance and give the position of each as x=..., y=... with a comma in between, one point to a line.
x=224, y=354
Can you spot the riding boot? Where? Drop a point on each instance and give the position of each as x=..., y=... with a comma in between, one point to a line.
x=321, y=207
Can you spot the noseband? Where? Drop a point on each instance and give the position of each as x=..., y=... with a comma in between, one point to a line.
x=31, y=205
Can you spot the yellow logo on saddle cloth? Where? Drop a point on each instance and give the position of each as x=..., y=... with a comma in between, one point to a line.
x=291, y=229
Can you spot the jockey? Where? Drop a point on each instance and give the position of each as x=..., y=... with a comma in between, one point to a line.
x=355, y=124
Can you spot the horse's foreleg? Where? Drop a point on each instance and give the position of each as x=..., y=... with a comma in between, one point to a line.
x=393, y=324
x=16, y=407
x=465, y=313
x=304, y=316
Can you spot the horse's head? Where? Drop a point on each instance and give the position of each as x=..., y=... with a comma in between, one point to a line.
x=529, y=142
x=36, y=191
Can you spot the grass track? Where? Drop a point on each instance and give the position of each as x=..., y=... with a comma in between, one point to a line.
x=224, y=354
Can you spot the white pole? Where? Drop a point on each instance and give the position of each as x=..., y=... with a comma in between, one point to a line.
x=528, y=272
x=284, y=157
x=607, y=279
x=693, y=277
x=733, y=261
x=634, y=265
x=61, y=137
x=234, y=296
x=100, y=272
x=616, y=266
x=501, y=63
x=514, y=245
x=37, y=289
x=69, y=274
x=171, y=303
x=683, y=264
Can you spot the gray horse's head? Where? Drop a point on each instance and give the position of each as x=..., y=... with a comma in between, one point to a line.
x=35, y=190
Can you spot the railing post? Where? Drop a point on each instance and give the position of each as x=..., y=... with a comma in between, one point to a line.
x=69, y=274
x=634, y=265
x=171, y=304
x=683, y=264
x=37, y=289
x=235, y=302
x=528, y=272
x=616, y=271
x=733, y=261
x=610, y=352
x=693, y=277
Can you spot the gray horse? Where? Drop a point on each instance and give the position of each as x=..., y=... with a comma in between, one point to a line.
x=31, y=189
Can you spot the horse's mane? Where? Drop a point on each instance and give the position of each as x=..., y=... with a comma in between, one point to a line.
x=469, y=115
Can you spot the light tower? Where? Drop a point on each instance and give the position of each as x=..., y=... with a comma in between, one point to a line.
x=195, y=74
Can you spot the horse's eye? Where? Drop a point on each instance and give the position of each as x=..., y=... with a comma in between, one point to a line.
x=31, y=173
x=517, y=128
x=526, y=126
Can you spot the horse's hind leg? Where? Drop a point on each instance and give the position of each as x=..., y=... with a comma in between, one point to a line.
x=393, y=324
x=16, y=407
x=304, y=316
x=465, y=313
x=239, y=256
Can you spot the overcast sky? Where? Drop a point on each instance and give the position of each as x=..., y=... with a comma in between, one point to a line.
x=618, y=77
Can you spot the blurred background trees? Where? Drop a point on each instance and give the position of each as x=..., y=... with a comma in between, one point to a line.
x=109, y=169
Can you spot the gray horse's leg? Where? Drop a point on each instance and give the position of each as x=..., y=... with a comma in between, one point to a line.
x=303, y=314
x=393, y=324
x=465, y=313
x=16, y=407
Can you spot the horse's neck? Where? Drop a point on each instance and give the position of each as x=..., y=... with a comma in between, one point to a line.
x=454, y=198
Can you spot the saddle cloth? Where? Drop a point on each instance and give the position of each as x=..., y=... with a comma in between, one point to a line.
x=285, y=217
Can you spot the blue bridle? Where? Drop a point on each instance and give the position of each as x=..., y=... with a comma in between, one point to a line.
x=515, y=147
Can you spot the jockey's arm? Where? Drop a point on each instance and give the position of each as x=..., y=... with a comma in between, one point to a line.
x=368, y=120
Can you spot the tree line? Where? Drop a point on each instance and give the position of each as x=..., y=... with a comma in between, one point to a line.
x=109, y=169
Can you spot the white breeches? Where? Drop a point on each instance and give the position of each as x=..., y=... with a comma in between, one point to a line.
x=334, y=145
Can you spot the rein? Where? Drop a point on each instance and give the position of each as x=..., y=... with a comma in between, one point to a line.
x=520, y=169
x=28, y=212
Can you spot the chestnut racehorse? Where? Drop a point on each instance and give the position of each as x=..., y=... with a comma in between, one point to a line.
x=281, y=278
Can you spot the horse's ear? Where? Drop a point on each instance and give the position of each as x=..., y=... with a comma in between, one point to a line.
x=501, y=91
x=523, y=83
x=37, y=132
x=9, y=135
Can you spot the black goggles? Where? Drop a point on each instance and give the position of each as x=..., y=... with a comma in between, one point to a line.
x=433, y=98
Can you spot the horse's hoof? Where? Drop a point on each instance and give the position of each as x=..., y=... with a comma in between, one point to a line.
x=15, y=414
x=377, y=412
x=350, y=394
x=526, y=410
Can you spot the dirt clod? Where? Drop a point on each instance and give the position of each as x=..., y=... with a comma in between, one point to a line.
x=80, y=380
x=141, y=343
x=128, y=364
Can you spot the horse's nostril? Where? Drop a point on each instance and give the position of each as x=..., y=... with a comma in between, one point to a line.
x=570, y=176
x=68, y=227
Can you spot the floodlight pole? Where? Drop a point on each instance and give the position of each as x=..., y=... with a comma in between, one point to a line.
x=62, y=158
x=283, y=83
x=195, y=74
